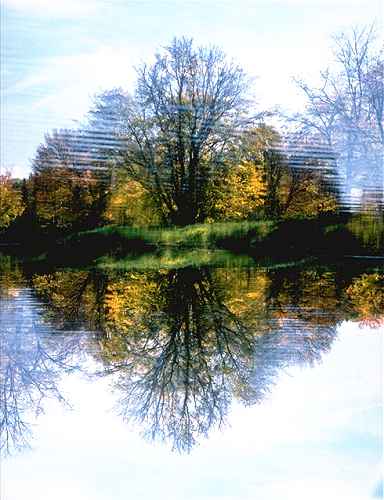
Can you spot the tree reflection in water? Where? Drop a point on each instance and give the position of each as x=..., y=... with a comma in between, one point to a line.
x=196, y=345
x=33, y=359
x=189, y=355
x=180, y=344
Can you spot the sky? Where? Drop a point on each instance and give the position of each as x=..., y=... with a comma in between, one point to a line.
x=56, y=55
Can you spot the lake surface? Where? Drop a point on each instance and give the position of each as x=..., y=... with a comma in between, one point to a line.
x=229, y=382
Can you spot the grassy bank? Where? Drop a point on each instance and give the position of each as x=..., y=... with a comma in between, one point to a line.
x=119, y=242
x=284, y=240
x=287, y=240
x=193, y=236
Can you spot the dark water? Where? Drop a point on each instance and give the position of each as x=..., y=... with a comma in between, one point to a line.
x=231, y=382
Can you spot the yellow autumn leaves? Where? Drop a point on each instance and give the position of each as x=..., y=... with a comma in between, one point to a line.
x=241, y=192
x=11, y=204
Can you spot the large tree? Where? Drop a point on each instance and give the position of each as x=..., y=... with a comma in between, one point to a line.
x=180, y=126
x=346, y=110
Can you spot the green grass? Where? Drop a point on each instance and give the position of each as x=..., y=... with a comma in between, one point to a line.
x=111, y=243
x=368, y=229
x=201, y=244
x=193, y=236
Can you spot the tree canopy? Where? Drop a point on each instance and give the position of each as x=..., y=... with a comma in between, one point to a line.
x=180, y=126
x=347, y=109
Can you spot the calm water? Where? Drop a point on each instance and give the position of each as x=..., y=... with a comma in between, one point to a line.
x=228, y=383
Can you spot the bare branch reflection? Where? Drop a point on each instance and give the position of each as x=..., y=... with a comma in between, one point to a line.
x=183, y=367
x=196, y=349
x=33, y=359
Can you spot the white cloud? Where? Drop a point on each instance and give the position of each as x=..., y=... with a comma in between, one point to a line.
x=53, y=8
